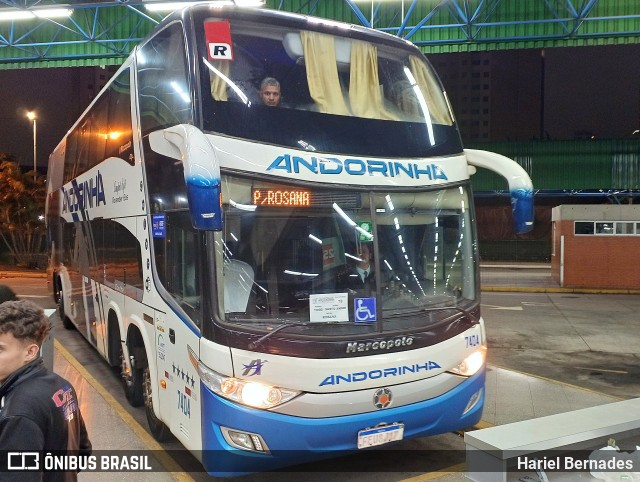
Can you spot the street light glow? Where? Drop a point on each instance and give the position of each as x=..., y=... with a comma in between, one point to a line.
x=31, y=115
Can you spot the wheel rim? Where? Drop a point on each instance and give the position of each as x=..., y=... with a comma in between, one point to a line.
x=123, y=370
x=147, y=393
x=60, y=302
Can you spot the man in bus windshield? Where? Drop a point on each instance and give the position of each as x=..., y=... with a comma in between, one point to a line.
x=360, y=277
x=270, y=92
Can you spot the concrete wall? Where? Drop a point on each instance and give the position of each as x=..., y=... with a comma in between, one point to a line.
x=606, y=261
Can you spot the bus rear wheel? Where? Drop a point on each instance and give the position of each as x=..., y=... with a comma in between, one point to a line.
x=131, y=381
x=158, y=428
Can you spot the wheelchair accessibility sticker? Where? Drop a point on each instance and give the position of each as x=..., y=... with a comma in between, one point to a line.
x=364, y=310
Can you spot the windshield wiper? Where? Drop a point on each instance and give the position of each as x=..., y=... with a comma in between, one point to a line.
x=416, y=311
x=255, y=344
x=474, y=321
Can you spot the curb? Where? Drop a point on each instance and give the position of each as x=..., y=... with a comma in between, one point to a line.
x=531, y=289
x=495, y=289
x=21, y=274
x=540, y=266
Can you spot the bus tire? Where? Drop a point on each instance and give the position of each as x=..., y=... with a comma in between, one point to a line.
x=158, y=428
x=66, y=322
x=131, y=382
x=114, y=342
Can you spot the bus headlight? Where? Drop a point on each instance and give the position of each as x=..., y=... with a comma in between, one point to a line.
x=250, y=393
x=471, y=364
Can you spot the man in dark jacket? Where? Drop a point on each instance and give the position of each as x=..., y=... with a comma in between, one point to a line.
x=39, y=410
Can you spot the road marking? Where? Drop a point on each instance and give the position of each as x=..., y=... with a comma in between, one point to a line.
x=622, y=372
x=478, y=426
x=559, y=382
x=454, y=469
x=32, y=296
x=510, y=308
x=159, y=452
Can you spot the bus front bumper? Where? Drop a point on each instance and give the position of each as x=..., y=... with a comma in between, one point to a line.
x=293, y=440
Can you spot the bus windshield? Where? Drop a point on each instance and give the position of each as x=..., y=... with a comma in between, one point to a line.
x=300, y=254
x=337, y=94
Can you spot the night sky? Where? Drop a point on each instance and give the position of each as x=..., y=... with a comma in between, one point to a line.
x=595, y=89
x=53, y=94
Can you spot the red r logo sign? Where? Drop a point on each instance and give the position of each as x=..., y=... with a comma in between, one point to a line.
x=218, y=35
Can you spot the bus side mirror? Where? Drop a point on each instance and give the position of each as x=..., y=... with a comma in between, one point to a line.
x=201, y=171
x=520, y=185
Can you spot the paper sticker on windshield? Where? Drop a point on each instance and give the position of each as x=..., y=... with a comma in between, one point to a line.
x=364, y=310
x=218, y=36
x=329, y=307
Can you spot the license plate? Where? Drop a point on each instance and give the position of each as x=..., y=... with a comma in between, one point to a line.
x=372, y=437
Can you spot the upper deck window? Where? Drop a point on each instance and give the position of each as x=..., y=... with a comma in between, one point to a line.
x=163, y=89
x=342, y=94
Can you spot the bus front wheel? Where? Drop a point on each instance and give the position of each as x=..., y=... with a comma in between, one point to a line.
x=158, y=429
x=66, y=322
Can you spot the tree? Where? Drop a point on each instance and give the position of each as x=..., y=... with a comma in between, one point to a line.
x=22, y=197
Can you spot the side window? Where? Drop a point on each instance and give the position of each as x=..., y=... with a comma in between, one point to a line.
x=99, y=131
x=164, y=93
x=177, y=262
x=118, y=133
x=105, y=130
x=84, y=142
x=69, y=233
x=118, y=257
x=71, y=156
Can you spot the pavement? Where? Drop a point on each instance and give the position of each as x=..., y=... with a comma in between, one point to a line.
x=531, y=278
x=510, y=397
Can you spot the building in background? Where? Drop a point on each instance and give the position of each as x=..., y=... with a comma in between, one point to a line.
x=596, y=246
x=568, y=116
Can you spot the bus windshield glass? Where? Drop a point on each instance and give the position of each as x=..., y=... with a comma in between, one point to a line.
x=339, y=257
x=311, y=90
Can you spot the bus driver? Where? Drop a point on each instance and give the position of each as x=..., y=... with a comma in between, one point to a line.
x=270, y=92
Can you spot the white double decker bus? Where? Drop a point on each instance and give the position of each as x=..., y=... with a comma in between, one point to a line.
x=276, y=283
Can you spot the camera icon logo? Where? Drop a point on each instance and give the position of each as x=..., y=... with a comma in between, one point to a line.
x=23, y=461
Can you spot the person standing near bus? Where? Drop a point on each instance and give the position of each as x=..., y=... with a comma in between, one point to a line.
x=39, y=410
x=270, y=92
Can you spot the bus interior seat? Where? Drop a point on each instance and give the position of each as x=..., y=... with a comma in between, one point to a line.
x=238, y=281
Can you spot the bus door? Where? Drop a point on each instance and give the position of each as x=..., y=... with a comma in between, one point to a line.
x=96, y=294
x=177, y=247
x=82, y=289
